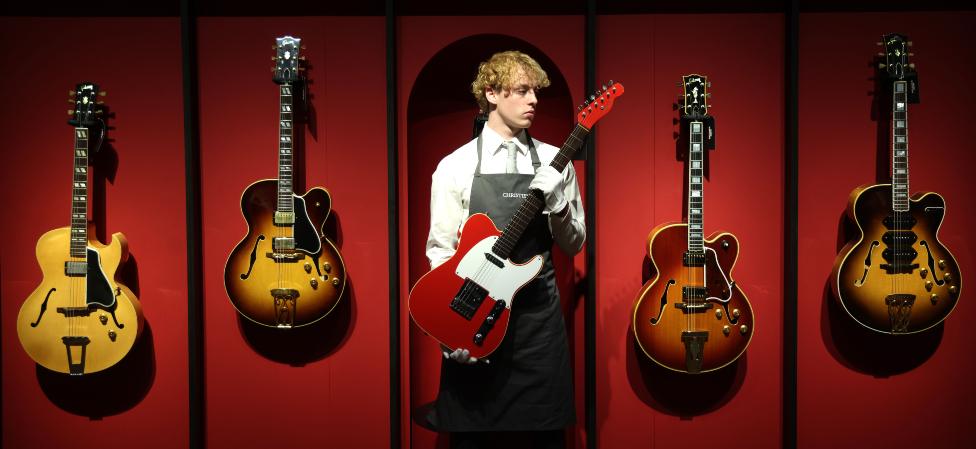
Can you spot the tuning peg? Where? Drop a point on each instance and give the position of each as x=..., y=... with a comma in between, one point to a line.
x=99, y=112
x=591, y=98
x=911, y=66
x=302, y=58
x=102, y=93
x=610, y=83
x=70, y=101
x=71, y=93
x=879, y=43
x=304, y=47
x=708, y=95
x=100, y=102
x=70, y=112
x=274, y=58
x=274, y=46
x=881, y=54
x=708, y=84
x=677, y=84
x=910, y=43
x=301, y=69
x=882, y=65
x=911, y=54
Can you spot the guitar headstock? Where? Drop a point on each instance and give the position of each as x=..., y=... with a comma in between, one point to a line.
x=599, y=104
x=288, y=62
x=695, y=96
x=895, y=56
x=87, y=108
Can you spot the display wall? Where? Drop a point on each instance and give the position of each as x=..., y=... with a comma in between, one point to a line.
x=641, y=182
x=317, y=385
x=857, y=388
x=329, y=384
x=437, y=63
x=137, y=188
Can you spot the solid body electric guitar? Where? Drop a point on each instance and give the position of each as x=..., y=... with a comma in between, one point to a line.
x=691, y=316
x=81, y=319
x=285, y=272
x=896, y=277
x=465, y=302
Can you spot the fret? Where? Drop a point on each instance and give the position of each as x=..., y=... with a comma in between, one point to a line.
x=79, y=195
x=285, y=149
x=899, y=147
x=695, y=187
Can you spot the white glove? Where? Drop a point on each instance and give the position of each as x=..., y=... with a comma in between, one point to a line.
x=461, y=356
x=551, y=183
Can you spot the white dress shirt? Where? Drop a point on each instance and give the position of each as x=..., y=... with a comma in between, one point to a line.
x=450, y=193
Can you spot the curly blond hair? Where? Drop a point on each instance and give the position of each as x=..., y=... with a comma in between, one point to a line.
x=502, y=71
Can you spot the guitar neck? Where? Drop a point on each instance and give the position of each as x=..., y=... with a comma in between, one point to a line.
x=285, y=148
x=695, y=190
x=79, y=195
x=899, y=147
x=530, y=207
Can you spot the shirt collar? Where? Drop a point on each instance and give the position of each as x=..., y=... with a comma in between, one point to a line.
x=492, y=141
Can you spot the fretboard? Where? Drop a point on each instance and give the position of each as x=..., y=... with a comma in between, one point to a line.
x=530, y=207
x=695, y=173
x=79, y=195
x=899, y=147
x=285, y=147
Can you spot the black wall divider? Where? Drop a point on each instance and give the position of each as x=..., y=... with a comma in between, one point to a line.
x=393, y=198
x=194, y=256
x=589, y=305
x=791, y=224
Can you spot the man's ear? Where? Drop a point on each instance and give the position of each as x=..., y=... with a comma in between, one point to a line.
x=491, y=95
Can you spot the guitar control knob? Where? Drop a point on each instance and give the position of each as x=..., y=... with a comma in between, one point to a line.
x=743, y=329
x=735, y=313
x=726, y=330
x=718, y=313
x=335, y=282
x=942, y=264
x=314, y=283
x=948, y=277
x=103, y=319
x=934, y=298
x=725, y=244
x=923, y=272
x=327, y=267
x=308, y=267
x=112, y=335
x=953, y=289
x=928, y=285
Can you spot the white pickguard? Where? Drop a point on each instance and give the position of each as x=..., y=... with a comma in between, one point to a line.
x=501, y=282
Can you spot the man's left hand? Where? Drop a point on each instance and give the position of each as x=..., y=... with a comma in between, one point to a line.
x=551, y=183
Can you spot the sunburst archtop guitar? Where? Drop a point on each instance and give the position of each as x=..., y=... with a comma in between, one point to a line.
x=896, y=277
x=81, y=319
x=285, y=272
x=691, y=316
x=466, y=301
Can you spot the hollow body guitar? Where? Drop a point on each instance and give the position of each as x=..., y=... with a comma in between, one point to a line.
x=80, y=319
x=691, y=316
x=466, y=301
x=896, y=277
x=285, y=272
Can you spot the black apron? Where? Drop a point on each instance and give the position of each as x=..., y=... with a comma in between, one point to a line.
x=528, y=383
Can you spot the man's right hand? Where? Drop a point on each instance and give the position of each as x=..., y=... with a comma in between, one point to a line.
x=462, y=356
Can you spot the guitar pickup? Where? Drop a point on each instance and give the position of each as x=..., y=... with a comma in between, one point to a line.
x=494, y=260
x=283, y=243
x=75, y=268
x=284, y=218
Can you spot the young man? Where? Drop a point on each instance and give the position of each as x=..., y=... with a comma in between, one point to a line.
x=526, y=384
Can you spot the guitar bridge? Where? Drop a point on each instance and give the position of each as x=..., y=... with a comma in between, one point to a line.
x=468, y=299
x=694, y=350
x=76, y=349
x=899, y=311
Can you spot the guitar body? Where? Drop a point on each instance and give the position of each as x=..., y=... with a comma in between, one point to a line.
x=692, y=339
x=892, y=299
x=79, y=324
x=291, y=291
x=453, y=302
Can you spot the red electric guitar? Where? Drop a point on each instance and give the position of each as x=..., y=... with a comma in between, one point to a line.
x=465, y=302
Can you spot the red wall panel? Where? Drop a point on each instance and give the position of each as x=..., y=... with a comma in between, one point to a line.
x=640, y=184
x=420, y=41
x=321, y=385
x=137, y=61
x=858, y=388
